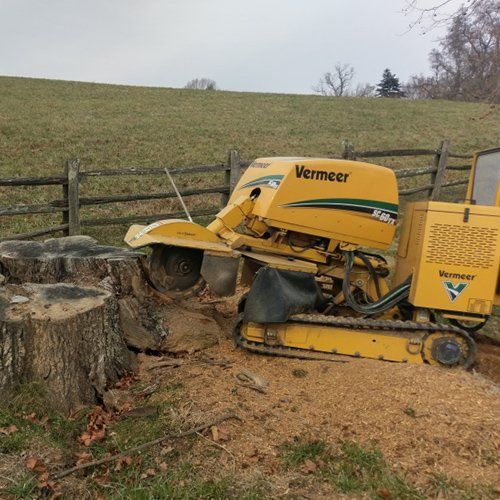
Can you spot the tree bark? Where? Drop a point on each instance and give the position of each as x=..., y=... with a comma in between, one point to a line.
x=63, y=336
x=74, y=258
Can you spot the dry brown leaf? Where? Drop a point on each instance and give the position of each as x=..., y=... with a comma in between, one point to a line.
x=223, y=435
x=101, y=479
x=384, y=493
x=83, y=457
x=8, y=430
x=121, y=461
x=308, y=467
x=36, y=465
x=31, y=462
x=163, y=466
x=148, y=473
x=96, y=427
x=44, y=420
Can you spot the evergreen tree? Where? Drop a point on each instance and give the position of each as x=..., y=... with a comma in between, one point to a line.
x=389, y=86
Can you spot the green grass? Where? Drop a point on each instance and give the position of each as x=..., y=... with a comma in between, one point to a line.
x=23, y=488
x=352, y=469
x=297, y=452
x=56, y=430
x=349, y=468
x=178, y=480
x=181, y=482
x=45, y=122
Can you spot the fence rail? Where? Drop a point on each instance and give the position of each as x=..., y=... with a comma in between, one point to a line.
x=71, y=202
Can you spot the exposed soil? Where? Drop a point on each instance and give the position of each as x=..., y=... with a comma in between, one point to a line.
x=488, y=361
x=426, y=420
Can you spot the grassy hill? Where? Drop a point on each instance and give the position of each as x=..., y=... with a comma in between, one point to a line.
x=45, y=122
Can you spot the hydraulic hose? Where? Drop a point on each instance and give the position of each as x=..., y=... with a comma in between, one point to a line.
x=389, y=300
x=371, y=270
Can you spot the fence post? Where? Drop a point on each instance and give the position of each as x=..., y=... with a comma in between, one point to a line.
x=440, y=161
x=72, y=198
x=232, y=175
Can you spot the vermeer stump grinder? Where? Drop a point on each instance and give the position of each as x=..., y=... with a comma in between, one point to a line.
x=298, y=230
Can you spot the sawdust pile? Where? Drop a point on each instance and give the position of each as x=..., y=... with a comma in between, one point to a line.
x=426, y=420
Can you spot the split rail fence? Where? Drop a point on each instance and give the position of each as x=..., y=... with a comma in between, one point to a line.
x=69, y=206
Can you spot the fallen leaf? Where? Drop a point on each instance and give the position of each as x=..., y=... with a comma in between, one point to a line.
x=122, y=461
x=223, y=435
x=384, y=493
x=308, y=467
x=47, y=485
x=83, y=457
x=35, y=465
x=148, y=473
x=8, y=430
x=43, y=421
x=96, y=427
x=101, y=479
x=31, y=417
x=163, y=466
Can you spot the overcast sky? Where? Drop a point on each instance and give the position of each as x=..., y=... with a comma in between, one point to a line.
x=249, y=45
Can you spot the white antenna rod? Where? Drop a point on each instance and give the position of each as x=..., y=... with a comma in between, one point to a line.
x=178, y=195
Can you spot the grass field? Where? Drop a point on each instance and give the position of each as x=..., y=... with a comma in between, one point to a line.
x=44, y=122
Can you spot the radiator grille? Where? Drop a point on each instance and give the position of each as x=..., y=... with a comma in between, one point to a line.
x=462, y=245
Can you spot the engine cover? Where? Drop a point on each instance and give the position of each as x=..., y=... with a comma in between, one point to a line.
x=349, y=201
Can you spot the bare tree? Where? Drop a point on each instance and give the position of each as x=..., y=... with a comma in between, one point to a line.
x=432, y=16
x=364, y=90
x=336, y=83
x=201, y=84
x=466, y=66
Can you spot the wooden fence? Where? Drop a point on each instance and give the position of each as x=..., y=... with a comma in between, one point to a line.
x=71, y=202
x=437, y=171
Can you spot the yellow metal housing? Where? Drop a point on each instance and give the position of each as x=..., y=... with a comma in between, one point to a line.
x=343, y=200
x=453, y=252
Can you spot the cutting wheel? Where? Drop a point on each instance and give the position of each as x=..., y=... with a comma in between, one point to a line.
x=175, y=271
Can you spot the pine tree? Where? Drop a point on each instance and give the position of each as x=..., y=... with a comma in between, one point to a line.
x=389, y=86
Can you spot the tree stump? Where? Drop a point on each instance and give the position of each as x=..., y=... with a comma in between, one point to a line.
x=69, y=308
x=77, y=259
x=66, y=337
x=81, y=260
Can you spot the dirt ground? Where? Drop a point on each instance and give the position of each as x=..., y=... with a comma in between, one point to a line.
x=426, y=420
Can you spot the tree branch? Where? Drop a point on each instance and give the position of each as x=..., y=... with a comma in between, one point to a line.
x=146, y=445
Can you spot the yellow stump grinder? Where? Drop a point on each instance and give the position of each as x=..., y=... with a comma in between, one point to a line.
x=302, y=232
